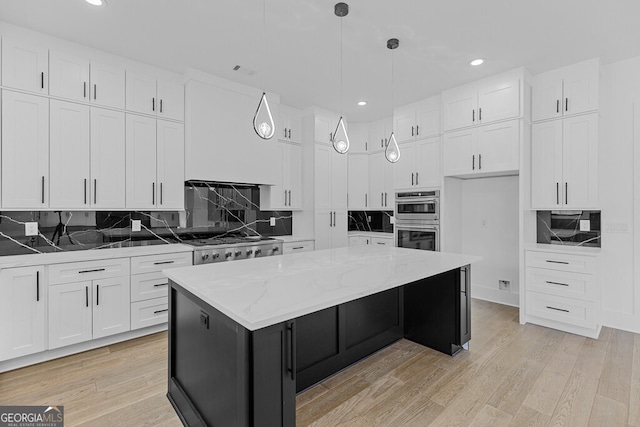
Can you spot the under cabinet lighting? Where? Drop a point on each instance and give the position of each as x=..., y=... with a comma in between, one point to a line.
x=97, y=2
x=477, y=62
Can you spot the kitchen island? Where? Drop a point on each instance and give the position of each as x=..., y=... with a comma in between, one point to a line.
x=245, y=337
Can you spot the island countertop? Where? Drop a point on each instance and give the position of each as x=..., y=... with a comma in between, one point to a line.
x=264, y=291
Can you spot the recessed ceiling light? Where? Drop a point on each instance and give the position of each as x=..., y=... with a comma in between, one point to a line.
x=97, y=2
x=361, y=103
x=477, y=62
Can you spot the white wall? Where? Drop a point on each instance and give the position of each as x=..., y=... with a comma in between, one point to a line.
x=620, y=89
x=490, y=229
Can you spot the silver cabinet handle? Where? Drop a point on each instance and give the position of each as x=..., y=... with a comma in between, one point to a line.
x=557, y=193
x=161, y=194
x=84, y=89
x=95, y=191
x=153, y=193
x=161, y=311
x=161, y=105
x=479, y=114
x=411, y=178
x=473, y=116
x=381, y=199
x=97, y=294
x=566, y=193
x=557, y=262
x=330, y=220
x=417, y=130
x=385, y=199
x=416, y=178
x=557, y=105
x=289, y=197
x=556, y=283
x=479, y=161
x=334, y=218
x=42, y=80
x=412, y=131
x=95, y=270
x=365, y=199
x=86, y=296
x=85, y=191
x=37, y=286
x=157, y=285
x=153, y=104
x=95, y=92
x=557, y=309
x=566, y=104
x=163, y=262
x=289, y=133
x=473, y=162
x=43, y=189
x=285, y=197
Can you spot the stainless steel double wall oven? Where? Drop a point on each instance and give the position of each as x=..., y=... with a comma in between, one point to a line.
x=417, y=221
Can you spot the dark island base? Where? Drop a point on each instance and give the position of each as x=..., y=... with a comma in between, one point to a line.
x=223, y=374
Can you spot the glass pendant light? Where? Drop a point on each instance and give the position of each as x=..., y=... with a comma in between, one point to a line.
x=392, y=152
x=340, y=138
x=263, y=120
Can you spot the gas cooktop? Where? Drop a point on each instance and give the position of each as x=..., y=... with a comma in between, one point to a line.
x=227, y=240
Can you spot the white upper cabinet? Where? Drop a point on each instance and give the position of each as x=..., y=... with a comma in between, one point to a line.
x=379, y=133
x=358, y=176
x=485, y=150
x=25, y=151
x=286, y=193
x=107, y=85
x=69, y=178
x=25, y=66
x=325, y=126
x=564, y=163
x=69, y=76
x=170, y=165
x=566, y=91
x=417, y=120
x=419, y=164
x=148, y=95
x=381, y=182
x=486, y=101
x=290, y=124
x=331, y=178
x=141, y=162
x=358, y=137
x=107, y=187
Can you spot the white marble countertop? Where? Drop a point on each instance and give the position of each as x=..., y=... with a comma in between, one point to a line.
x=292, y=239
x=370, y=234
x=10, y=261
x=261, y=292
x=570, y=249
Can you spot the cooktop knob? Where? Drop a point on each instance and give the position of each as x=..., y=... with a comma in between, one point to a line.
x=216, y=255
x=228, y=254
x=276, y=249
x=249, y=252
x=205, y=256
x=258, y=251
x=238, y=253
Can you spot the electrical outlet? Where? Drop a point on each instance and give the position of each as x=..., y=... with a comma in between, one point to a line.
x=504, y=285
x=392, y=220
x=484, y=223
x=272, y=221
x=136, y=225
x=368, y=218
x=30, y=228
x=585, y=225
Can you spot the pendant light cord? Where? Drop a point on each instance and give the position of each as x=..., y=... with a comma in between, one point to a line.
x=341, y=73
x=392, y=80
x=264, y=50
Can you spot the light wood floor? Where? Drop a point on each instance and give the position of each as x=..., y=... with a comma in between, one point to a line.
x=512, y=375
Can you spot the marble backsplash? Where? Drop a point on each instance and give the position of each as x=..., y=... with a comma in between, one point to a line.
x=211, y=210
x=379, y=221
x=573, y=228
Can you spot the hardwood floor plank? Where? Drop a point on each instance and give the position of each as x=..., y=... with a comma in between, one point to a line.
x=634, y=393
x=574, y=406
x=615, y=381
x=608, y=412
x=527, y=417
x=515, y=388
x=491, y=417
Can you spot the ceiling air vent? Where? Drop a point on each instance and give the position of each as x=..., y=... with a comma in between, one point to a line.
x=243, y=70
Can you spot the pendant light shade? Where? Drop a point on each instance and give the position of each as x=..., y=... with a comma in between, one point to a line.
x=263, y=120
x=340, y=139
x=392, y=152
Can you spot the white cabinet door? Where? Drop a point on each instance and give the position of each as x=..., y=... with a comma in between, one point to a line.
x=427, y=157
x=546, y=165
x=25, y=151
x=293, y=175
x=324, y=128
x=339, y=182
x=276, y=196
x=70, y=314
x=547, y=100
x=377, y=185
x=497, y=148
x=323, y=156
x=382, y=241
x=405, y=168
x=323, y=228
x=458, y=150
x=140, y=93
x=69, y=182
x=22, y=311
x=428, y=117
x=459, y=107
x=68, y=76
x=112, y=306
x=170, y=102
x=580, y=87
x=358, y=165
x=25, y=66
x=107, y=85
x=580, y=161
x=339, y=230
x=140, y=162
x=404, y=119
x=289, y=124
x=170, y=167
x=498, y=99
x=108, y=150
x=378, y=136
x=358, y=137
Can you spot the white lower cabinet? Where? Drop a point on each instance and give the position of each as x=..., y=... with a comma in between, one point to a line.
x=562, y=291
x=331, y=229
x=360, y=240
x=382, y=241
x=88, y=300
x=22, y=311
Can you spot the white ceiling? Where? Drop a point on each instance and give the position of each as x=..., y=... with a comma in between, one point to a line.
x=437, y=40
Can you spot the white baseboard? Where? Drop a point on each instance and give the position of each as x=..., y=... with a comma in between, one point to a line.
x=492, y=295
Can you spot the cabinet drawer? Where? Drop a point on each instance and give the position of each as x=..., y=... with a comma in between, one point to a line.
x=149, y=313
x=88, y=270
x=292, y=247
x=382, y=241
x=561, y=261
x=155, y=263
x=561, y=283
x=148, y=286
x=560, y=309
